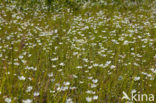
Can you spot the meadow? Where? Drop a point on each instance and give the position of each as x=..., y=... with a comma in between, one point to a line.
x=69, y=52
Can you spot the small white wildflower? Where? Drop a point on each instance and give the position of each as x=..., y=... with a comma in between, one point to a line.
x=24, y=61
x=133, y=91
x=8, y=100
x=72, y=88
x=66, y=83
x=95, y=97
x=60, y=70
x=27, y=101
x=88, y=99
x=54, y=66
x=52, y=91
x=34, y=68
x=21, y=77
x=79, y=67
x=86, y=60
x=0, y=55
x=136, y=64
x=56, y=31
x=75, y=53
x=29, y=89
x=149, y=75
x=30, y=79
x=21, y=57
x=125, y=42
x=62, y=64
x=24, y=53
x=58, y=89
x=36, y=93
x=136, y=78
x=93, y=85
x=86, y=71
x=95, y=65
x=112, y=66
x=50, y=74
x=90, y=92
x=29, y=55
x=54, y=59
x=75, y=76
x=90, y=77
x=90, y=67
x=153, y=70
x=107, y=63
x=69, y=100
x=94, y=80
x=64, y=88
x=16, y=63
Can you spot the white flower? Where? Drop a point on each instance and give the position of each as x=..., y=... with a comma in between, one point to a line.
x=29, y=89
x=133, y=91
x=50, y=74
x=112, y=66
x=8, y=100
x=66, y=83
x=62, y=64
x=79, y=67
x=24, y=61
x=0, y=92
x=56, y=31
x=90, y=77
x=88, y=99
x=21, y=77
x=75, y=53
x=21, y=57
x=27, y=101
x=95, y=65
x=69, y=100
x=72, y=88
x=75, y=76
x=125, y=42
x=54, y=59
x=36, y=93
x=64, y=88
x=86, y=60
x=0, y=55
x=153, y=70
x=29, y=55
x=95, y=97
x=90, y=92
x=93, y=85
x=107, y=63
x=94, y=80
x=136, y=78
x=16, y=63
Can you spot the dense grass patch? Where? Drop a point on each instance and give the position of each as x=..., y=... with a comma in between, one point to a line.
x=68, y=54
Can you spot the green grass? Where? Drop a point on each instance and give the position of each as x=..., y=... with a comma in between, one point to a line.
x=99, y=50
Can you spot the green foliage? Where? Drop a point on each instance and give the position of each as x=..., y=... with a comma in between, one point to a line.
x=73, y=4
x=102, y=49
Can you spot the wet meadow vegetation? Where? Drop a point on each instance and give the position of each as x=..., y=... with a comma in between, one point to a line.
x=76, y=51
